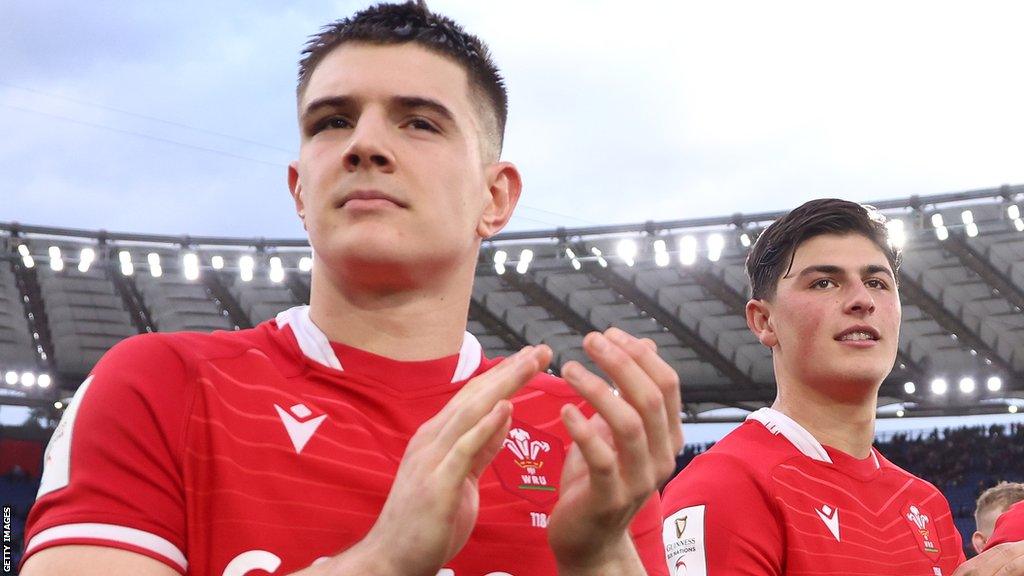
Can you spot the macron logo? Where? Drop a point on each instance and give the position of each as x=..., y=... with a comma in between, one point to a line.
x=831, y=519
x=299, y=425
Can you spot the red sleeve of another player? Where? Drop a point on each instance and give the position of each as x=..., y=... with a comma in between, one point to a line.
x=719, y=521
x=1009, y=526
x=112, y=472
x=646, y=532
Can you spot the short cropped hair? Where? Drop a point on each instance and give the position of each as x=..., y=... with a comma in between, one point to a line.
x=999, y=497
x=772, y=255
x=412, y=22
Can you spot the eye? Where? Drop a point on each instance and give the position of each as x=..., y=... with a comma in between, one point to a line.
x=422, y=124
x=877, y=283
x=331, y=123
x=823, y=283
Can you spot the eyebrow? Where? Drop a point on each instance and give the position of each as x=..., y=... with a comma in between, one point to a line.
x=836, y=270
x=405, y=102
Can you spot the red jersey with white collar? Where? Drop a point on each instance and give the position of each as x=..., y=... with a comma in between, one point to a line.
x=768, y=499
x=260, y=451
x=1009, y=526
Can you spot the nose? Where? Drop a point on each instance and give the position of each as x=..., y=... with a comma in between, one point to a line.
x=368, y=146
x=860, y=300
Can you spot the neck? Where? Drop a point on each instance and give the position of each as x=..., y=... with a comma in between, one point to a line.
x=409, y=321
x=846, y=425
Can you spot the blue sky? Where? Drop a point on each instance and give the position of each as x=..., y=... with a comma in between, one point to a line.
x=178, y=117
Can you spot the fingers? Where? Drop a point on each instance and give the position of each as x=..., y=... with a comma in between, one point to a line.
x=598, y=454
x=476, y=448
x=1006, y=559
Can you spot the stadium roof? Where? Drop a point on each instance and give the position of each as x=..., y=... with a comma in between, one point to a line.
x=680, y=283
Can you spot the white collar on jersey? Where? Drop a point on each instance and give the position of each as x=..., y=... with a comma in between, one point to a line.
x=778, y=423
x=314, y=344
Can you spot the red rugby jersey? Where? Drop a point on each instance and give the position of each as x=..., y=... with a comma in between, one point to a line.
x=1009, y=526
x=768, y=499
x=260, y=451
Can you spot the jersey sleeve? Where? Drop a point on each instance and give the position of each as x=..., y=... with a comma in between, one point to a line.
x=646, y=533
x=719, y=521
x=1009, y=526
x=112, y=471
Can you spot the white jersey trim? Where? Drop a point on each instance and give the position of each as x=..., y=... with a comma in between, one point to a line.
x=315, y=345
x=112, y=533
x=778, y=423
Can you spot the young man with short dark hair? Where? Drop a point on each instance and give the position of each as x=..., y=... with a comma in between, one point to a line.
x=798, y=488
x=366, y=433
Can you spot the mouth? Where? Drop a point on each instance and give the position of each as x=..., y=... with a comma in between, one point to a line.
x=858, y=334
x=369, y=198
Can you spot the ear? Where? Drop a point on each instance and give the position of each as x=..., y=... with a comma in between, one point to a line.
x=295, y=187
x=759, y=314
x=503, y=186
x=978, y=540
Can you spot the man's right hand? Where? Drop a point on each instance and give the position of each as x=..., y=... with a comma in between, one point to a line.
x=1006, y=559
x=434, y=501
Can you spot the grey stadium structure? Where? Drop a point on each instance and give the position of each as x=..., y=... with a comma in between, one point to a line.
x=66, y=296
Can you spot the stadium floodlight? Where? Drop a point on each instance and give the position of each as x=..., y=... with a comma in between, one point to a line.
x=58, y=404
x=661, y=258
x=939, y=386
x=994, y=383
x=23, y=250
x=28, y=379
x=687, y=250
x=1019, y=224
x=900, y=413
x=125, y=257
x=11, y=378
x=276, y=270
x=909, y=387
x=599, y=255
x=573, y=259
x=155, y=270
x=627, y=250
x=941, y=233
x=525, y=257
x=745, y=240
x=897, y=233
x=85, y=259
x=500, y=257
x=56, y=261
x=246, y=265
x=305, y=264
x=1013, y=212
x=967, y=385
x=217, y=262
x=971, y=229
x=1012, y=409
x=190, y=264
x=44, y=381
x=26, y=256
x=716, y=243
x=967, y=217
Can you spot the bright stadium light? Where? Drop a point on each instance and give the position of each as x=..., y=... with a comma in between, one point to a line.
x=305, y=264
x=967, y=385
x=900, y=413
x=971, y=229
x=11, y=378
x=573, y=259
x=994, y=383
x=939, y=386
x=940, y=227
x=599, y=255
x=56, y=261
x=1019, y=225
x=125, y=257
x=276, y=270
x=661, y=258
x=85, y=259
x=525, y=257
x=687, y=250
x=937, y=220
x=217, y=262
x=155, y=270
x=1013, y=212
x=909, y=387
x=26, y=256
x=500, y=257
x=190, y=264
x=28, y=379
x=897, y=233
x=967, y=217
x=716, y=243
x=627, y=251
x=58, y=404
x=44, y=381
x=246, y=265
x=1012, y=409
x=745, y=240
